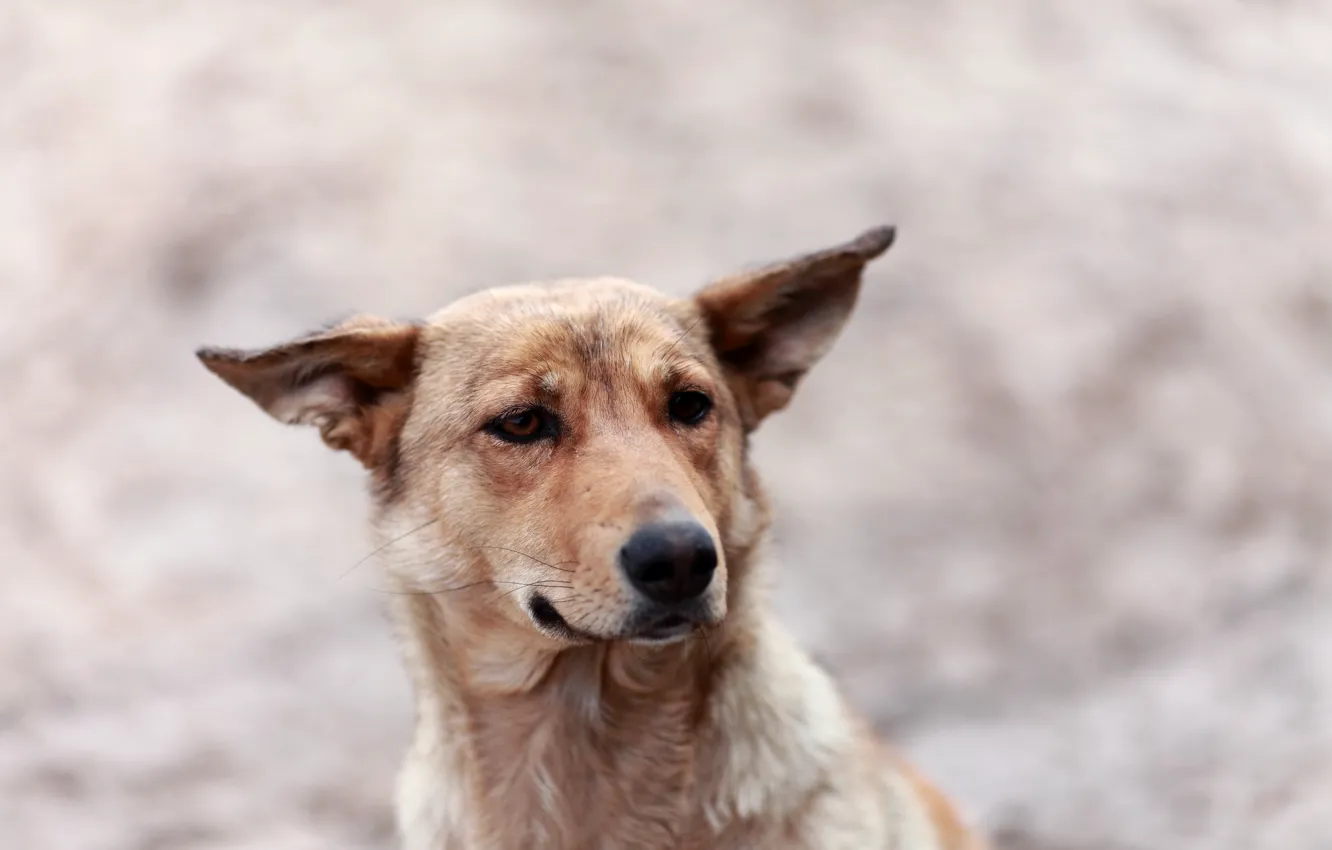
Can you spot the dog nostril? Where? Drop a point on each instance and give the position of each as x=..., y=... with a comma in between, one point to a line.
x=705, y=560
x=670, y=562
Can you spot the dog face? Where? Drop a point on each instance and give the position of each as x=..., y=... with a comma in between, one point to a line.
x=570, y=455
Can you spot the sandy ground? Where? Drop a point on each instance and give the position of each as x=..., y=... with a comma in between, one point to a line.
x=1056, y=509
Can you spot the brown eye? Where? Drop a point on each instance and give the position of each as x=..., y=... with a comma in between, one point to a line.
x=525, y=425
x=689, y=407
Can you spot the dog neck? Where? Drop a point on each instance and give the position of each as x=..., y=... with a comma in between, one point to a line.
x=612, y=745
x=580, y=744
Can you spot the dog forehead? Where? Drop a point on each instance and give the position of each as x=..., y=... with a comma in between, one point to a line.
x=570, y=295
x=566, y=314
x=568, y=324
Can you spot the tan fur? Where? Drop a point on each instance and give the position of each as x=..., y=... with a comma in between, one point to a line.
x=572, y=732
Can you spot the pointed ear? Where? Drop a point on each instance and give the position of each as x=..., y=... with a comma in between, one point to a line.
x=769, y=326
x=352, y=382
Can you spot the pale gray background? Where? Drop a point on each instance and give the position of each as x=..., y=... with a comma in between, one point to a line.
x=1055, y=510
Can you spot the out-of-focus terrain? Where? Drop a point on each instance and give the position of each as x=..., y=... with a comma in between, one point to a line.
x=1056, y=509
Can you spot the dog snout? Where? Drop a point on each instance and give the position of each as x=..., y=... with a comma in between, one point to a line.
x=670, y=562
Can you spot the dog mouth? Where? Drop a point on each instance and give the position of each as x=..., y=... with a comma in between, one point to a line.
x=551, y=621
x=666, y=628
x=670, y=622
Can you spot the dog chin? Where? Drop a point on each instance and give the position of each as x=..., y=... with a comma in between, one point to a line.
x=652, y=640
x=664, y=635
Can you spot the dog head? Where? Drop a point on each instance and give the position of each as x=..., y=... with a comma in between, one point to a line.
x=570, y=455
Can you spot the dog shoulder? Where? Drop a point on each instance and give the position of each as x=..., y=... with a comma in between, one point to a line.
x=431, y=802
x=933, y=808
x=776, y=728
x=801, y=769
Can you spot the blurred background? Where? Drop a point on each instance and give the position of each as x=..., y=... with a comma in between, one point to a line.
x=1055, y=510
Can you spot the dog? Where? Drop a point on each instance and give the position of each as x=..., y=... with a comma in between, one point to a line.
x=573, y=530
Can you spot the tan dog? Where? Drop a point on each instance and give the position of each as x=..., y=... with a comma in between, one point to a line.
x=572, y=527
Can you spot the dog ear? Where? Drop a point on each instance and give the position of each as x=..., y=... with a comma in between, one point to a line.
x=351, y=381
x=769, y=326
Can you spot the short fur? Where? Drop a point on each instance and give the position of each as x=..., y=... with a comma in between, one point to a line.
x=576, y=730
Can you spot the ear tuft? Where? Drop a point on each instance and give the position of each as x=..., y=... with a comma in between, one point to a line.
x=873, y=242
x=769, y=326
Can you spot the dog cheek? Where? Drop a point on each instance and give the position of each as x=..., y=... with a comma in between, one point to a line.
x=720, y=475
x=512, y=472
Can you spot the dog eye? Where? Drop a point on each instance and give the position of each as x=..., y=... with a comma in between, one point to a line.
x=525, y=425
x=689, y=407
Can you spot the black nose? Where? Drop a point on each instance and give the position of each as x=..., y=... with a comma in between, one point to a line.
x=670, y=562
